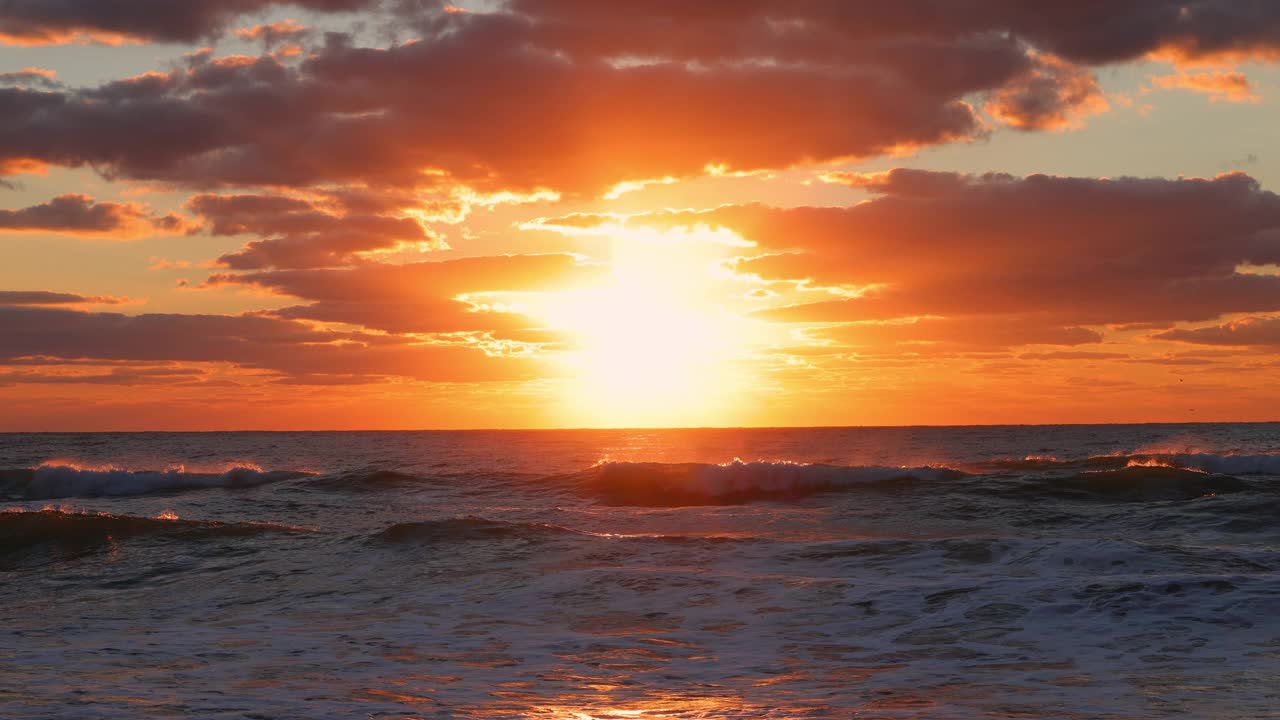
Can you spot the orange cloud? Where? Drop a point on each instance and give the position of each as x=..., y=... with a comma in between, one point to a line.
x=418, y=297
x=578, y=97
x=282, y=346
x=1258, y=332
x=302, y=233
x=1218, y=85
x=112, y=22
x=1052, y=95
x=31, y=77
x=1050, y=254
x=22, y=166
x=281, y=31
x=82, y=215
x=44, y=298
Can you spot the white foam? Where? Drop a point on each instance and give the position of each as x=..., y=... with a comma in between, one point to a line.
x=739, y=479
x=62, y=481
x=1268, y=464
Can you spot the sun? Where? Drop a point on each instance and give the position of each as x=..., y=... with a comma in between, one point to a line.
x=656, y=343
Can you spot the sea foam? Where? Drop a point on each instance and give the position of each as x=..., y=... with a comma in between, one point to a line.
x=63, y=481
x=673, y=484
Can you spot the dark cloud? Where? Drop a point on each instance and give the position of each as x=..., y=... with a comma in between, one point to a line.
x=1052, y=95
x=283, y=346
x=276, y=33
x=419, y=297
x=300, y=233
x=1261, y=332
x=45, y=297
x=31, y=77
x=117, y=376
x=577, y=96
x=487, y=105
x=40, y=22
x=82, y=215
x=1060, y=252
x=1092, y=32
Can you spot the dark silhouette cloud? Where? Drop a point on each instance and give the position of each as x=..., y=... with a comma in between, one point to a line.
x=41, y=22
x=419, y=297
x=301, y=233
x=82, y=215
x=1261, y=332
x=577, y=96
x=288, y=347
x=46, y=297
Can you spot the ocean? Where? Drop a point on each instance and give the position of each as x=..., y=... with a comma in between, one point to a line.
x=1109, y=571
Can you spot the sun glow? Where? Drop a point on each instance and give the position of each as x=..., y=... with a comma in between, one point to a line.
x=655, y=343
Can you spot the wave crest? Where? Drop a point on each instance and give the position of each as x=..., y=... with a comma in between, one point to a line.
x=48, y=482
x=1228, y=464
x=1218, y=463
x=676, y=484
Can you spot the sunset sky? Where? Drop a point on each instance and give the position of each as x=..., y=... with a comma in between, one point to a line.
x=342, y=214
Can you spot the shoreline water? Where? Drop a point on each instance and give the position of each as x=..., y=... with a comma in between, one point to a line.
x=1085, y=571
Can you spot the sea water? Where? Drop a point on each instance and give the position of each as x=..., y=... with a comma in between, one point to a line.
x=976, y=572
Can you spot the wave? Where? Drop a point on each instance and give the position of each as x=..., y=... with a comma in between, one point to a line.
x=470, y=528
x=72, y=533
x=48, y=482
x=1039, y=463
x=1228, y=464
x=680, y=484
x=1219, y=463
x=370, y=481
x=474, y=528
x=1109, y=477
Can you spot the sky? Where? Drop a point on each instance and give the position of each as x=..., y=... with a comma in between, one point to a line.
x=402, y=214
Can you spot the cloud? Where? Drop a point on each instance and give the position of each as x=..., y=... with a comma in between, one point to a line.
x=82, y=215
x=42, y=22
x=1218, y=85
x=301, y=233
x=959, y=333
x=283, y=346
x=45, y=297
x=1261, y=332
x=497, y=115
x=116, y=376
x=1090, y=33
x=578, y=97
x=1072, y=355
x=419, y=297
x=1053, y=95
x=1069, y=252
x=276, y=33
x=31, y=77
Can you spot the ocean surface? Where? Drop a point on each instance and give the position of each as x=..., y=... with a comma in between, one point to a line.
x=979, y=572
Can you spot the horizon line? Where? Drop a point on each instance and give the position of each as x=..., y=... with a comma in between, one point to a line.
x=648, y=428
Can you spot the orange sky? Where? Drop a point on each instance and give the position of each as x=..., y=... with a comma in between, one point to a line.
x=337, y=214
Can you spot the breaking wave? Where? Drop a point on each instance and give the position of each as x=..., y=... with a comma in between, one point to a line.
x=1267, y=464
x=1173, y=476
x=48, y=482
x=1222, y=464
x=678, y=484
